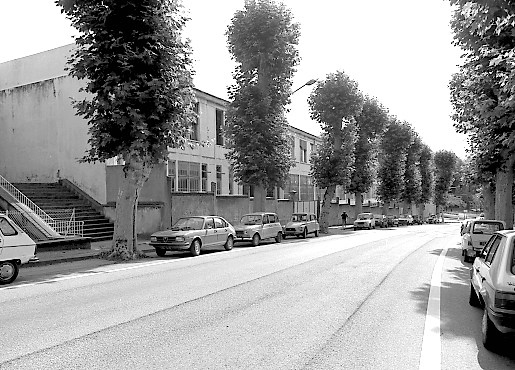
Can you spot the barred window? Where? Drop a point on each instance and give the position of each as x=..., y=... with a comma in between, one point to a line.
x=170, y=172
x=204, y=176
x=218, y=180
x=188, y=176
x=303, y=151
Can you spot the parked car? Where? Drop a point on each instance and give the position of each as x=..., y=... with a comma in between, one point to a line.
x=258, y=226
x=475, y=234
x=492, y=287
x=417, y=220
x=392, y=220
x=405, y=220
x=432, y=219
x=302, y=224
x=364, y=221
x=16, y=249
x=380, y=220
x=195, y=233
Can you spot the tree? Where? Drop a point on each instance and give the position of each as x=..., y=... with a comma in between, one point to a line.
x=137, y=71
x=370, y=126
x=262, y=39
x=334, y=103
x=412, y=189
x=445, y=166
x=426, y=177
x=393, y=151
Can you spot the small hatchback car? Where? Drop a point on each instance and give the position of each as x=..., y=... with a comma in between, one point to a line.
x=16, y=248
x=475, y=234
x=255, y=227
x=302, y=224
x=364, y=221
x=193, y=234
x=492, y=286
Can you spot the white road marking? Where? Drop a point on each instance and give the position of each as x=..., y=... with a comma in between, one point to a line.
x=431, y=355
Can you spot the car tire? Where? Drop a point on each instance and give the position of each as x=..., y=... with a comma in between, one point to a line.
x=279, y=237
x=355, y=228
x=304, y=233
x=255, y=240
x=229, y=243
x=473, y=298
x=195, y=247
x=490, y=334
x=316, y=233
x=160, y=252
x=8, y=272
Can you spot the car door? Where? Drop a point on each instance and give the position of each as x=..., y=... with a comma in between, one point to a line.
x=266, y=227
x=211, y=235
x=483, y=263
x=222, y=230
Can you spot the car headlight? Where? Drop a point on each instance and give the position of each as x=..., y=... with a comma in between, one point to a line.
x=153, y=239
x=180, y=238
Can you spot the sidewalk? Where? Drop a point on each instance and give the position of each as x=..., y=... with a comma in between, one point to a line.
x=71, y=255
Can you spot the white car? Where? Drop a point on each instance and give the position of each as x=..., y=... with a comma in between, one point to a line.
x=16, y=248
x=475, y=234
x=365, y=221
x=492, y=286
x=302, y=224
x=257, y=226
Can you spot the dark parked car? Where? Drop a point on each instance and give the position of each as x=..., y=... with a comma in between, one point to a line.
x=392, y=220
x=417, y=220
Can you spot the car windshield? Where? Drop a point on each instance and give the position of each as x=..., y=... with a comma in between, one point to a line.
x=188, y=223
x=486, y=227
x=364, y=216
x=251, y=220
x=299, y=217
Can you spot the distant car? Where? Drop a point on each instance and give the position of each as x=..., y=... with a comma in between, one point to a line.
x=258, y=226
x=418, y=220
x=16, y=249
x=492, y=287
x=392, y=220
x=302, y=224
x=405, y=220
x=380, y=220
x=475, y=234
x=194, y=233
x=364, y=221
x=432, y=219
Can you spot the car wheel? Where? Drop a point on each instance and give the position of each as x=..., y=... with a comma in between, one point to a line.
x=255, y=240
x=489, y=332
x=8, y=272
x=355, y=228
x=160, y=252
x=473, y=298
x=279, y=237
x=316, y=233
x=195, y=247
x=229, y=243
x=305, y=233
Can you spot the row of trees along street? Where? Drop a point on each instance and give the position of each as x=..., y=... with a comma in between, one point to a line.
x=138, y=73
x=482, y=94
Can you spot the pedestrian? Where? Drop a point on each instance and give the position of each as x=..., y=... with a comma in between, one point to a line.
x=344, y=219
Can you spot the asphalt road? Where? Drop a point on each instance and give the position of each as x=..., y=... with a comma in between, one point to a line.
x=355, y=301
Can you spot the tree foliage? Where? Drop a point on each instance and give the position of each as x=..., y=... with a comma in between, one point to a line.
x=262, y=39
x=412, y=190
x=137, y=71
x=445, y=166
x=426, y=174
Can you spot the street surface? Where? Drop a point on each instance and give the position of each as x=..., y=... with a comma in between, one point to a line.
x=353, y=301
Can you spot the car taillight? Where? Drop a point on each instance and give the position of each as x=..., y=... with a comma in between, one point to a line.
x=505, y=301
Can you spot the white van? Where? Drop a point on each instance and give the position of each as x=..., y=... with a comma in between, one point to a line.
x=16, y=248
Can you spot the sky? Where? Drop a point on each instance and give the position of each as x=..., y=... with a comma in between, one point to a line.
x=399, y=51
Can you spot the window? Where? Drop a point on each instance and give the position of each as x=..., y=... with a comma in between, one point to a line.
x=307, y=190
x=219, y=223
x=204, y=177
x=188, y=176
x=219, y=127
x=231, y=181
x=6, y=228
x=270, y=192
x=248, y=190
x=311, y=149
x=170, y=172
x=303, y=151
x=292, y=146
x=218, y=180
x=272, y=218
x=265, y=219
x=194, y=133
x=495, y=245
x=210, y=224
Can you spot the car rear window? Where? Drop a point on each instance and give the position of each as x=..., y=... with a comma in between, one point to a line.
x=486, y=227
x=6, y=228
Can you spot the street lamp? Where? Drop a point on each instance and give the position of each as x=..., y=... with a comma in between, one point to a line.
x=310, y=82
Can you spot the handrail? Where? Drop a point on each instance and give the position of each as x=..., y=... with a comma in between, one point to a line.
x=20, y=197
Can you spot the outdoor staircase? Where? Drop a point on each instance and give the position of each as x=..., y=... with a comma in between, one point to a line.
x=54, y=198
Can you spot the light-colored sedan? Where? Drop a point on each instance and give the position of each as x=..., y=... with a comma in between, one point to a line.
x=302, y=224
x=257, y=226
x=492, y=286
x=194, y=233
x=475, y=234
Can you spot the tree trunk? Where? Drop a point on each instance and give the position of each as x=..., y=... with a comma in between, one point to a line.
x=359, y=204
x=326, y=206
x=421, y=208
x=488, y=201
x=503, y=194
x=259, y=198
x=125, y=243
